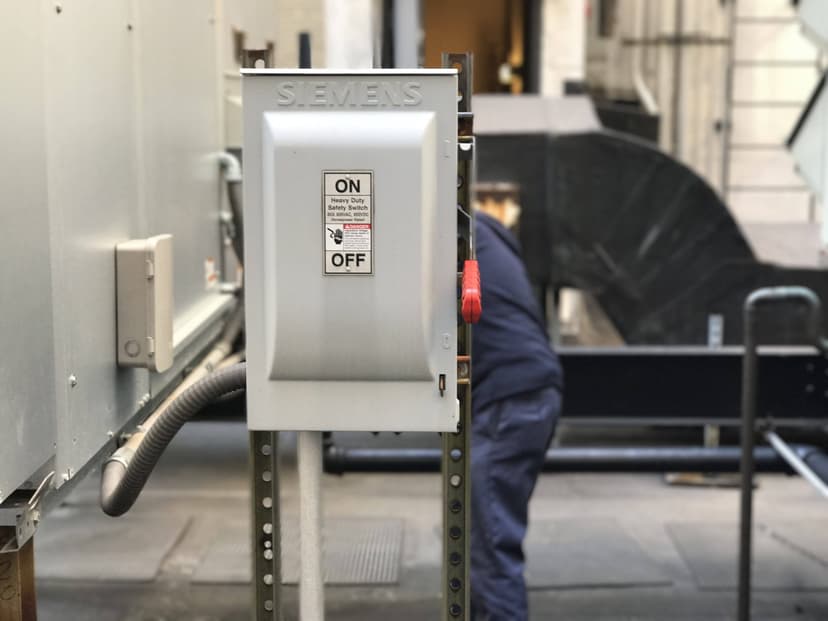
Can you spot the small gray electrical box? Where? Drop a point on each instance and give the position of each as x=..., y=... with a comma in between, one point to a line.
x=144, y=270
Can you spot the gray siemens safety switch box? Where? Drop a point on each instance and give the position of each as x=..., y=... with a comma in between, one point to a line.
x=351, y=249
x=144, y=272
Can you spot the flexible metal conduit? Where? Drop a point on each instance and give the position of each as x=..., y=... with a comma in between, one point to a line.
x=122, y=479
x=233, y=178
x=113, y=496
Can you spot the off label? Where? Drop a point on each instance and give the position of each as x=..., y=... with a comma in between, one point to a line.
x=348, y=215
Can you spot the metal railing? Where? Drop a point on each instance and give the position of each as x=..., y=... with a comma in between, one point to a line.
x=750, y=389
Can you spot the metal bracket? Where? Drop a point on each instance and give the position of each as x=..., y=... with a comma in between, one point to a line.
x=464, y=369
x=252, y=56
x=239, y=39
x=19, y=521
x=20, y=514
x=19, y=517
x=457, y=446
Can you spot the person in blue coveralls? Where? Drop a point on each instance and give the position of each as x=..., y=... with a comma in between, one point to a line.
x=516, y=401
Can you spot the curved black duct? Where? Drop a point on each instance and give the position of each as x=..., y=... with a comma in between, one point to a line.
x=611, y=214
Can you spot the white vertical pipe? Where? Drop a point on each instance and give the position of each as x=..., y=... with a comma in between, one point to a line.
x=563, y=44
x=407, y=33
x=311, y=582
x=349, y=34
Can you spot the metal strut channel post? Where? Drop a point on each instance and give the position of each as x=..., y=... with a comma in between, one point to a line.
x=457, y=446
x=267, y=548
x=750, y=383
x=264, y=476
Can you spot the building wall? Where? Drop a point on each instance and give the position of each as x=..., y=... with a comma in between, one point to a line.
x=687, y=81
x=563, y=33
x=349, y=26
x=297, y=16
x=773, y=68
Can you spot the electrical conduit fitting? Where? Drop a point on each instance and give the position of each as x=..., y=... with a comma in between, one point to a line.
x=231, y=166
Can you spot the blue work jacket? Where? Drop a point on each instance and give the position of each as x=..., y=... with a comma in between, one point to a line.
x=511, y=354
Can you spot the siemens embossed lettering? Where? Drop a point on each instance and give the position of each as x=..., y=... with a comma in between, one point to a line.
x=371, y=93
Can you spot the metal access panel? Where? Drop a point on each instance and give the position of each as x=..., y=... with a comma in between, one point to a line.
x=350, y=249
x=108, y=142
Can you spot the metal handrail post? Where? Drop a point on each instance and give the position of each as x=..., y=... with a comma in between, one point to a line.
x=750, y=371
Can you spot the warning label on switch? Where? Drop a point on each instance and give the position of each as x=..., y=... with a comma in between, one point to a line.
x=348, y=213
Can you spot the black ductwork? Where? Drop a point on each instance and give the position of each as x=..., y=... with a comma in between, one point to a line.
x=610, y=214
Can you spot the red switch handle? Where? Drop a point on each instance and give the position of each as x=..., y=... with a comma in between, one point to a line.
x=470, y=302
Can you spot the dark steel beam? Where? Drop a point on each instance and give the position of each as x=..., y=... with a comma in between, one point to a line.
x=690, y=383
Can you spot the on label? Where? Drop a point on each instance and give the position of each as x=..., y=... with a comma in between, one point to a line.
x=347, y=215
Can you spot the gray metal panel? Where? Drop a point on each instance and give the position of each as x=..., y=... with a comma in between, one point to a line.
x=194, y=333
x=27, y=395
x=180, y=139
x=93, y=196
x=352, y=327
x=115, y=123
x=180, y=124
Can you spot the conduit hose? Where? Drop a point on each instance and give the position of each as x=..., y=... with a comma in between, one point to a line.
x=233, y=177
x=234, y=196
x=125, y=474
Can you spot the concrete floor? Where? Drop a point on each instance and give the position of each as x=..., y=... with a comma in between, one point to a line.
x=202, y=484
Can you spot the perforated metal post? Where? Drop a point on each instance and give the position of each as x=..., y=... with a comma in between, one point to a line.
x=266, y=548
x=457, y=446
x=264, y=475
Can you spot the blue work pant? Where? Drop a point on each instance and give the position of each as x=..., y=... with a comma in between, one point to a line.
x=509, y=441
